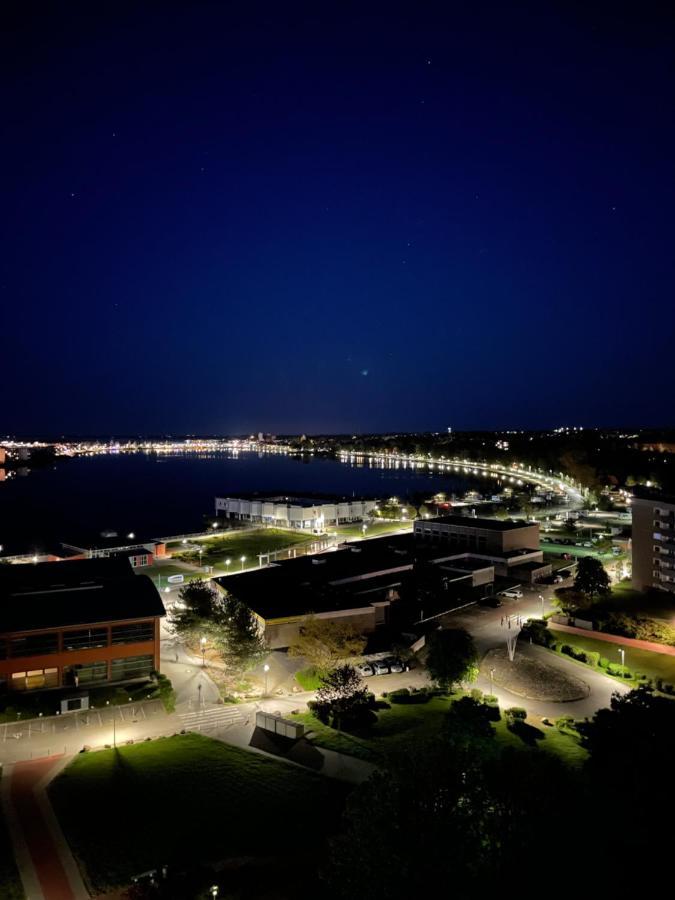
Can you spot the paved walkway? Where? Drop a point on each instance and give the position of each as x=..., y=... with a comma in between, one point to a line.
x=46, y=865
x=615, y=639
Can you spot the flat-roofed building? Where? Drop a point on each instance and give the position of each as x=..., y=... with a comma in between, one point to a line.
x=77, y=623
x=305, y=513
x=653, y=541
x=512, y=548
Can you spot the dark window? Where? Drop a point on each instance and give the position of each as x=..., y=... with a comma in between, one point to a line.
x=87, y=673
x=131, y=667
x=86, y=639
x=3, y=649
x=34, y=645
x=134, y=633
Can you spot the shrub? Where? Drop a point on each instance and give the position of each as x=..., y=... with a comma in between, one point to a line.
x=537, y=631
x=566, y=648
x=603, y=662
x=490, y=700
x=476, y=693
x=516, y=712
x=566, y=725
x=592, y=657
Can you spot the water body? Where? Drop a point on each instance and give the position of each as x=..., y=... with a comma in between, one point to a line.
x=153, y=495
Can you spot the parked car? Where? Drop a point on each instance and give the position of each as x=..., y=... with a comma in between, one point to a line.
x=365, y=670
x=395, y=665
x=587, y=544
x=493, y=602
x=380, y=667
x=558, y=579
x=512, y=594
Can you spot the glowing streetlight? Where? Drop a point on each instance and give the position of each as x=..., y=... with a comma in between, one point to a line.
x=131, y=535
x=202, y=642
x=227, y=563
x=623, y=659
x=266, y=669
x=243, y=560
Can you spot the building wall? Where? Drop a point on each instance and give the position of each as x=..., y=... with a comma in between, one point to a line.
x=290, y=515
x=653, y=544
x=64, y=660
x=475, y=538
x=280, y=634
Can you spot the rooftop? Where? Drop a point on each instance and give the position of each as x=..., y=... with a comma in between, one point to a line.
x=474, y=522
x=74, y=592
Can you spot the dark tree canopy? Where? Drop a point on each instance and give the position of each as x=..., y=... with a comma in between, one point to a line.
x=591, y=578
x=451, y=656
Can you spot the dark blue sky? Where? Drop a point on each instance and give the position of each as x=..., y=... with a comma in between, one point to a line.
x=224, y=217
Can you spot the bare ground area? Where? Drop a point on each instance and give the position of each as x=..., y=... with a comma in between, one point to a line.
x=532, y=678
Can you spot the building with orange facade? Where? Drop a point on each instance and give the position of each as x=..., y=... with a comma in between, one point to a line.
x=77, y=624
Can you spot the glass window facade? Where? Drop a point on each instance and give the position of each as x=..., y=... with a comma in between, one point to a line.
x=131, y=667
x=86, y=673
x=85, y=639
x=34, y=645
x=134, y=633
x=34, y=679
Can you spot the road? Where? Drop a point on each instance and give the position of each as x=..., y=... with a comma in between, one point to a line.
x=489, y=629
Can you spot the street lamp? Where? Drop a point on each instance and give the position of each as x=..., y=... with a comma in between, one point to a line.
x=266, y=669
x=541, y=598
x=623, y=659
x=492, y=672
x=243, y=560
x=202, y=642
x=200, y=557
x=213, y=890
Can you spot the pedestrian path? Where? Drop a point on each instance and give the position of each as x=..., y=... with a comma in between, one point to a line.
x=48, y=870
x=213, y=717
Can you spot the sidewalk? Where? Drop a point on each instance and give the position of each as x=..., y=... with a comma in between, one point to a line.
x=46, y=865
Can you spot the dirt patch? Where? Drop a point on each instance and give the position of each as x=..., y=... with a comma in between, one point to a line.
x=533, y=679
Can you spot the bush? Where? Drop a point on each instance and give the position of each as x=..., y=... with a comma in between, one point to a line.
x=403, y=695
x=603, y=662
x=490, y=700
x=537, y=631
x=566, y=725
x=592, y=657
x=516, y=712
x=476, y=693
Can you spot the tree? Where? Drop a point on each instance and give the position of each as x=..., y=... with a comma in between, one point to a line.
x=198, y=610
x=342, y=695
x=325, y=643
x=632, y=746
x=451, y=657
x=591, y=578
x=238, y=636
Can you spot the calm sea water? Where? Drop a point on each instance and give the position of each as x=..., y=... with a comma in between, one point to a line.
x=164, y=495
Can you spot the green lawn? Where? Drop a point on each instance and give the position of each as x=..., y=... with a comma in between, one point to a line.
x=401, y=727
x=308, y=679
x=187, y=799
x=653, y=665
x=355, y=530
x=575, y=551
x=248, y=543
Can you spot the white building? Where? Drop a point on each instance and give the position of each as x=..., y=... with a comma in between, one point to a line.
x=294, y=512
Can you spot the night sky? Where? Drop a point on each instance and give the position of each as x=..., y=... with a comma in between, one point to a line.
x=231, y=217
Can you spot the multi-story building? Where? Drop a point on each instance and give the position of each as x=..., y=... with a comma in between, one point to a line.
x=294, y=512
x=511, y=547
x=76, y=624
x=653, y=541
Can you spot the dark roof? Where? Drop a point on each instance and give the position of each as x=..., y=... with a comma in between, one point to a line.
x=472, y=522
x=77, y=592
x=644, y=493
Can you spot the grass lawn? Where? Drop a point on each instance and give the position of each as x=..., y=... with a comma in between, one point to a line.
x=402, y=726
x=249, y=544
x=186, y=799
x=308, y=679
x=575, y=551
x=653, y=665
x=355, y=530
